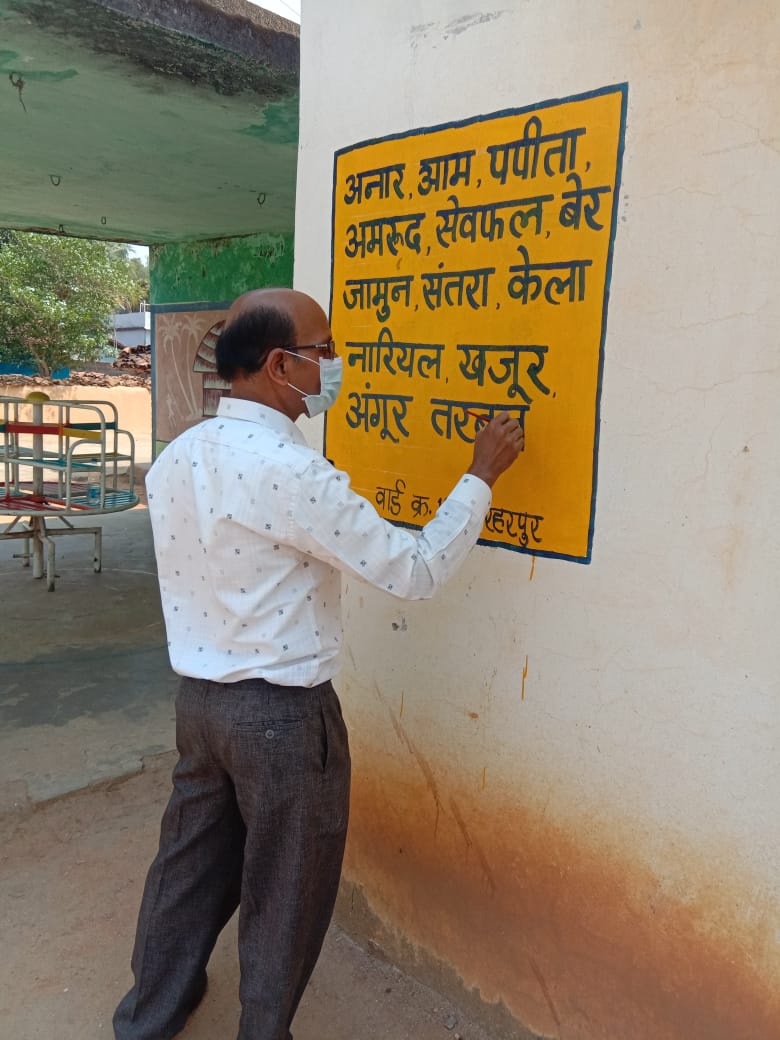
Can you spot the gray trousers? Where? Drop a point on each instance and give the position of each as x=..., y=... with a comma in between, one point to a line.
x=257, y=819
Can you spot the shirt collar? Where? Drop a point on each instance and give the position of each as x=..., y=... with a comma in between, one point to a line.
x=253, y=411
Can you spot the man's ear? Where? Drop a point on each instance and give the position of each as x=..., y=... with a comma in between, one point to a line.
x=276, y=366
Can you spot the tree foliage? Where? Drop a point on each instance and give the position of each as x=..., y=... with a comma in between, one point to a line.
x=56, y=297
x=139, y=273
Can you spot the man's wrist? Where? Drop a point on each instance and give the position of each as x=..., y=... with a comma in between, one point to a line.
x=483, y=473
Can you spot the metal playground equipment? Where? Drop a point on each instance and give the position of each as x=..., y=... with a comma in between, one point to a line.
x=61, y=459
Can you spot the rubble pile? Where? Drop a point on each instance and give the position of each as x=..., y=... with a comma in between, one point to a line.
x=136, y=359
x=108, y=378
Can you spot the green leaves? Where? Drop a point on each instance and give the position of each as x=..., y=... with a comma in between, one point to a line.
x=56, y=297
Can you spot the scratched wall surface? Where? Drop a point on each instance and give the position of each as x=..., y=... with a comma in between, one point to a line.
x=566, y=777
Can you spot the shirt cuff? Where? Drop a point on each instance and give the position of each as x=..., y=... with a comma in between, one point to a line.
x=473, y=493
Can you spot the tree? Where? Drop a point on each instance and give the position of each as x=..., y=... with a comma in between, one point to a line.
x=56, y=296
x=138, y=272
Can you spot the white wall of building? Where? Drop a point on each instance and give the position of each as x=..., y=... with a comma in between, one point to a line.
x=591, y=848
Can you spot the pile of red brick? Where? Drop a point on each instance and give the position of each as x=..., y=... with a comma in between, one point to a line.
x=136, y=359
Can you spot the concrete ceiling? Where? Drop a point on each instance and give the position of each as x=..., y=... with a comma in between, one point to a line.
x=147, y=121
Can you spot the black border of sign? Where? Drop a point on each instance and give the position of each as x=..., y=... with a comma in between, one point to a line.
x=615, y=88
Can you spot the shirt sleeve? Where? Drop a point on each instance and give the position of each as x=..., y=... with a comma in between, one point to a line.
x=330, y=521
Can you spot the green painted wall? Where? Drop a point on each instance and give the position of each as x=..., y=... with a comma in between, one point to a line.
x=219, y=269
x=127, y=129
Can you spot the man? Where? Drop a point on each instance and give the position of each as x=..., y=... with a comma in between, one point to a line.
x=251, y=529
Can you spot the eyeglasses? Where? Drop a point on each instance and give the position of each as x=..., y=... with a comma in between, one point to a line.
x=327, y=350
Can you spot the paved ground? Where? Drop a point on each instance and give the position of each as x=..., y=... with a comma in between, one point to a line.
x=86, y=732
x=85, y=688
x=70, y=881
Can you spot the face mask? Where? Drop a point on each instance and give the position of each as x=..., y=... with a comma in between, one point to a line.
x=331, y=372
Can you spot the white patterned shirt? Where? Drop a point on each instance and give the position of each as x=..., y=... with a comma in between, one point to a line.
x=251, y=529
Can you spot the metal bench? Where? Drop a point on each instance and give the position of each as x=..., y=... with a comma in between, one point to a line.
x=60, y=459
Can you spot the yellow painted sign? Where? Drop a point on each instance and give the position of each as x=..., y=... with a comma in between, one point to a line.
x=471, y=267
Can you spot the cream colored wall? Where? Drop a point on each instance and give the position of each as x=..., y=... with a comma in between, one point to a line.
x=591, y=847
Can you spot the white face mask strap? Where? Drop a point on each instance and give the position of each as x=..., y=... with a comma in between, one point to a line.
x=302, y=357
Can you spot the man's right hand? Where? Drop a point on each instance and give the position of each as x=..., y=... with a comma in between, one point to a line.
x=496, y=447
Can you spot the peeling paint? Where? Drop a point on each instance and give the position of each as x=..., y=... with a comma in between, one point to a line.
x=279, y=126
x=11, y=61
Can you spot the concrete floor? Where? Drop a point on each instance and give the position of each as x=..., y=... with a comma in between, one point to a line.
x=85, y=687
x=86, y=739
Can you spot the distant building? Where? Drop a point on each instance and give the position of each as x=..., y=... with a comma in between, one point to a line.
x=131, y=330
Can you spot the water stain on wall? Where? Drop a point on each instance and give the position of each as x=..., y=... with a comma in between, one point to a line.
x=576, y=937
